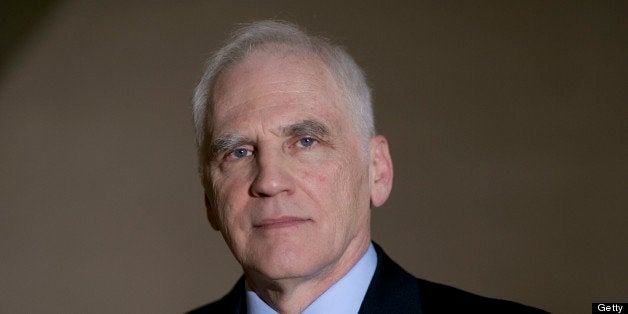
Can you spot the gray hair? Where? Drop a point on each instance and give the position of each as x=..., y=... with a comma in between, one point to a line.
x=245, y=40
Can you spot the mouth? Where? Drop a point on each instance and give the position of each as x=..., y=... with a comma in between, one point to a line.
x=280, y=222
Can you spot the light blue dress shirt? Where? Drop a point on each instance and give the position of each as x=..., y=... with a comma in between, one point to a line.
x=345, y=296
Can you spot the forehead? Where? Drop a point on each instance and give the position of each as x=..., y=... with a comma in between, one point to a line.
x=275, y=82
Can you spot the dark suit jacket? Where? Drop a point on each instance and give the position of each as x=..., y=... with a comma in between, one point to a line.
x=393, y=290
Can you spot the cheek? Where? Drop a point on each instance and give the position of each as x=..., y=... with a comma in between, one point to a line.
x=338, y=184
x=321, y=179
x=230, y=197
x=314, y=172
x=233, y=221
x=231, y=181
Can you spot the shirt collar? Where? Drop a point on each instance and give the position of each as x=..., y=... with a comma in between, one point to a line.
x=345, y=296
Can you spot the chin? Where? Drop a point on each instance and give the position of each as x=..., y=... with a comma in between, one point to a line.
x=288, y=265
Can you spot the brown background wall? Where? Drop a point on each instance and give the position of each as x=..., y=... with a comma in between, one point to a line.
x=507, y=122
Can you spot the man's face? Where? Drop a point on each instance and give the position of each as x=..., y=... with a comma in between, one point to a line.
x=288, y=179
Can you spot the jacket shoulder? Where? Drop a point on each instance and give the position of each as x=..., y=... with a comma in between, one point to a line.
x=439, y=298
x=393, y=290
x=233, y=302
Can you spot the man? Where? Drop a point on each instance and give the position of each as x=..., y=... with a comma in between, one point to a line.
x=291, y=166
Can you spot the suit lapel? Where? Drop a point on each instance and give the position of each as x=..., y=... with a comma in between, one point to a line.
x=235, y=300
x=392, y=289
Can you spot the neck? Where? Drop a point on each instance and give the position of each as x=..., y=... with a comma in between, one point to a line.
x=293, y=295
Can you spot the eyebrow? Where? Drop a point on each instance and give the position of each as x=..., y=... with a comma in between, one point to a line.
x=228, y=142
x=225, y=143
x=307, y=127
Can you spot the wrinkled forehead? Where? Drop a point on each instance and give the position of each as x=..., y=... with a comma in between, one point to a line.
x=274, y=76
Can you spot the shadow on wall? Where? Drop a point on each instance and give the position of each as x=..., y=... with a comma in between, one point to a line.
x=20, y=20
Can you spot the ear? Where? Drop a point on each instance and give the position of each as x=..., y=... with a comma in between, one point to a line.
x=211, y=215
x=381, y=171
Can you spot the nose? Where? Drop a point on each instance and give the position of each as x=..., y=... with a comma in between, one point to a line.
x=273, y=176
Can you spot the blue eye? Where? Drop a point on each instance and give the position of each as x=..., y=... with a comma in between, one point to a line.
x=241, y=153
x=306, y=141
